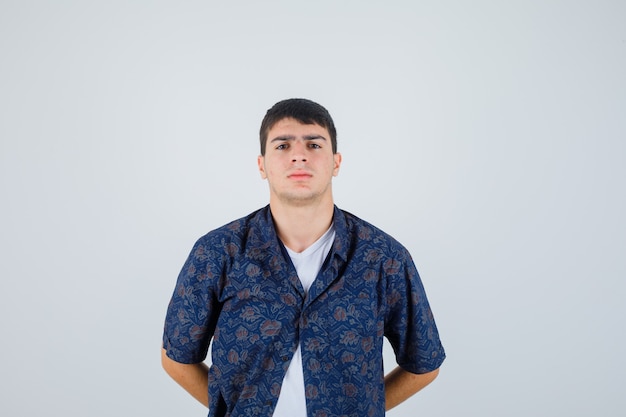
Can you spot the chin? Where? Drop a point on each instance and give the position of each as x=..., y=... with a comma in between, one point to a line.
x=298, y=199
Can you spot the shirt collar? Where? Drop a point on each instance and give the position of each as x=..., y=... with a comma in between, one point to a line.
x=340, y=247
x=342, y=238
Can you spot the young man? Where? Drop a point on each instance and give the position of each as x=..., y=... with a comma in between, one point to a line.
x=297, y=296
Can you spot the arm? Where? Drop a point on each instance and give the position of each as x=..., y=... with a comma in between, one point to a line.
x=401, y=384
x=192, y=377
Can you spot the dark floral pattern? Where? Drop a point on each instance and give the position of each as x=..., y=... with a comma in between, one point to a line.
x=239, y=291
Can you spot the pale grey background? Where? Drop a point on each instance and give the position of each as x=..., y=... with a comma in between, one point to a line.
x=487, y=136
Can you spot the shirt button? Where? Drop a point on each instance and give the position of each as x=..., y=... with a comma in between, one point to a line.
x=285, y=358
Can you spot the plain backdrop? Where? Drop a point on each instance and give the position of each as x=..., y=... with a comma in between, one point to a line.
x=487, y=136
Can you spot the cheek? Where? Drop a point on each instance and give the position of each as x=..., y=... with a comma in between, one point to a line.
x=271, y=168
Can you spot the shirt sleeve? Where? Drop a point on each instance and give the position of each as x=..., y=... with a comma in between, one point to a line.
x=194, y=307
x=410, y=326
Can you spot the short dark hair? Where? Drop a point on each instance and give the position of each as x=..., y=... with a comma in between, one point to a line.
x=303, y=110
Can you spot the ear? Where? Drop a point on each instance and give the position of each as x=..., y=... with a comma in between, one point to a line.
x=261, y=163
x=338, y=159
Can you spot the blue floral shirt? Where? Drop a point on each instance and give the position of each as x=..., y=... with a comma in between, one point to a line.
x=239, y=291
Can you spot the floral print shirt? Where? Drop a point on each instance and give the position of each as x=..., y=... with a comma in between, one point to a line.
x=239, y=292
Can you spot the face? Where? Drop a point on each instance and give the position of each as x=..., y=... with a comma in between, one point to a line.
x=299, y=163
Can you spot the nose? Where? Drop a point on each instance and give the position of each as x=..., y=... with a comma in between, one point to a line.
x=298, y=153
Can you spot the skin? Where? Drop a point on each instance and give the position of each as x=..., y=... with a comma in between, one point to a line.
x=194, y=378
x=299, y=166
x=401, y=384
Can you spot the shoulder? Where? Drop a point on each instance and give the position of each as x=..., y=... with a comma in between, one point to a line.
x=362, y=233
x=356, y=227
x=232, y=236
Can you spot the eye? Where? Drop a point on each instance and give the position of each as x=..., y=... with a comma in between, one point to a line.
x=314, y=146
x=281, y=147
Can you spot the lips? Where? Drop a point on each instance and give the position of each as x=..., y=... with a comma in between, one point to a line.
x=300, y=175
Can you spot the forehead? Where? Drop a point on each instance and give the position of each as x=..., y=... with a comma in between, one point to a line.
x=290, y=126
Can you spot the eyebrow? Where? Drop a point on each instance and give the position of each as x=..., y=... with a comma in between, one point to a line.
x=284, y=138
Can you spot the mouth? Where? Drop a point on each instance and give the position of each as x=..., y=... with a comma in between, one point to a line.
x=299, y=175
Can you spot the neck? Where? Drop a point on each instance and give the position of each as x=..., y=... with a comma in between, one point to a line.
x=298, y=227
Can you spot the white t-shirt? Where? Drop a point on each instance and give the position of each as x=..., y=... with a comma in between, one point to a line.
x=292, y=400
